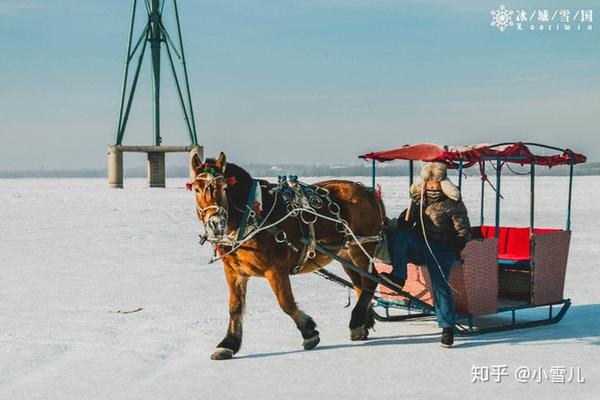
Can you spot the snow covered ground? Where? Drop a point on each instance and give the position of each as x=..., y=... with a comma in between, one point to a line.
x=73, y=250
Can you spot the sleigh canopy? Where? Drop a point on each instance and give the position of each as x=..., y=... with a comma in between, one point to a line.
x=519, y=152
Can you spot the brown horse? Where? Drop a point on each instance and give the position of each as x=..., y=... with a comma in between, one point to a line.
x=222, y=193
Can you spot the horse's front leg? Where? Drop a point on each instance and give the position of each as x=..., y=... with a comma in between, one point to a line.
x=362, y=315
x=237, y=298
x=282, y=288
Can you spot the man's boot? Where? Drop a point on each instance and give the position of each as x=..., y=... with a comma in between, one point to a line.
x=447, y=337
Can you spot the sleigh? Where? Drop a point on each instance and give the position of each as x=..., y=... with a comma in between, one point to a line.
x=508, y=277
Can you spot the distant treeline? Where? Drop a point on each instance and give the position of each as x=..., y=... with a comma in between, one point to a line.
x=268, y=170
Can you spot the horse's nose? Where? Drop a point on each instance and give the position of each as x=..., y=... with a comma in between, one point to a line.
x=213, y=224
x=216, y=224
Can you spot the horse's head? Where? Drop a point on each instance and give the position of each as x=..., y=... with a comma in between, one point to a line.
x=210, y=187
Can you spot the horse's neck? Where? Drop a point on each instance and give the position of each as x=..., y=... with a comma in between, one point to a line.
x=236, y=208
x=238, y=205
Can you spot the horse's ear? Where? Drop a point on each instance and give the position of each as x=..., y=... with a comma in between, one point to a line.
x=195, y=162
x=221, y=163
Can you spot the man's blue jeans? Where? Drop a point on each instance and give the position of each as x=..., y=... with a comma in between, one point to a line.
x=405, y=245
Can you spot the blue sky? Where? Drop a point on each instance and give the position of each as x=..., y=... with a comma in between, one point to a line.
x=297, y=81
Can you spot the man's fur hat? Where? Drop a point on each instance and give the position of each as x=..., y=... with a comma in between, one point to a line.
x=437, y=172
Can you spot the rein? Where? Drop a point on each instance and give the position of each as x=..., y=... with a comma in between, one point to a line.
x=298, y=205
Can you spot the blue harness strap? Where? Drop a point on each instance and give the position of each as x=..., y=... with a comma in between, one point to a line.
x=246, y=215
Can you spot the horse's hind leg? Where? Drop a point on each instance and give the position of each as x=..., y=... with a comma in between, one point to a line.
x=282, y=288
x=362, y=314
x=237, y=299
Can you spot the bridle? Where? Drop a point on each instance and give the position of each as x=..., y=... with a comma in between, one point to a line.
x=211, y=177
x=202, y=211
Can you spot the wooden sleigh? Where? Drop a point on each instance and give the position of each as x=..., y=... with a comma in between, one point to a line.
x=504, y=272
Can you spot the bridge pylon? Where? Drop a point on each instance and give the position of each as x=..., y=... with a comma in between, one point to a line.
x=154, y=34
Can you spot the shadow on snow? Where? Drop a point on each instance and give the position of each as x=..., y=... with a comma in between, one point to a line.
x=580, y=322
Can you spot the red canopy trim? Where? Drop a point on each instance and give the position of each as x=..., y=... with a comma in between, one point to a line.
x=518, y=153
x=422, y=151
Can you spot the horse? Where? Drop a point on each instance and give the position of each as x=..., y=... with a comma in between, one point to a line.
x=222, y=191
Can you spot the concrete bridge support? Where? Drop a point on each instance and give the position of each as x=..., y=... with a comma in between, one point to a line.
x=156, y=162
x=115, y=168
x=156, y=169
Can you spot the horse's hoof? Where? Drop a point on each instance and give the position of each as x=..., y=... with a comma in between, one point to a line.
x=360, y=333
x=222, y=353
x=311, y=343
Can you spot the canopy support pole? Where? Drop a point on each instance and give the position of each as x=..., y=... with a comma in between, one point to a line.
x=460, y=173
x=411, y=165
x=373, y=174
x=481, y=218
x=570, y=194
x=498, y=174
x=532, y=198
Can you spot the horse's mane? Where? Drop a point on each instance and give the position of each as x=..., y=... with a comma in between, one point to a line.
x=243, y=181
x=237, y=191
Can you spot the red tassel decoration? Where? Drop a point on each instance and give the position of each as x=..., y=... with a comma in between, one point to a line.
x=378, y=192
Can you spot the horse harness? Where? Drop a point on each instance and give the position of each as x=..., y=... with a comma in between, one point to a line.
x=304, y=202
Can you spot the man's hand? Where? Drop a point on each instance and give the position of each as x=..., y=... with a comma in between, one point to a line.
x=400, y=222
x=403, y=223
x=458, y=243
x=390, y=224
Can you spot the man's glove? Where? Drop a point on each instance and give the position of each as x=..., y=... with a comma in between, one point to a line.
x=396, y=223
x=400, y=222
x=458, y=243
x=390, y=224
x=403, y=223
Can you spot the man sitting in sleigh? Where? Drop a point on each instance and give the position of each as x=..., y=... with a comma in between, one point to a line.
x=432, y=231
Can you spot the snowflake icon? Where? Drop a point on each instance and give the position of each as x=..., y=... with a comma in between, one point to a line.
x=502, y=18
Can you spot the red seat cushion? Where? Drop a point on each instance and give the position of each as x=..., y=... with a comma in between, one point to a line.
x=513, y=257
x=514, y=243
